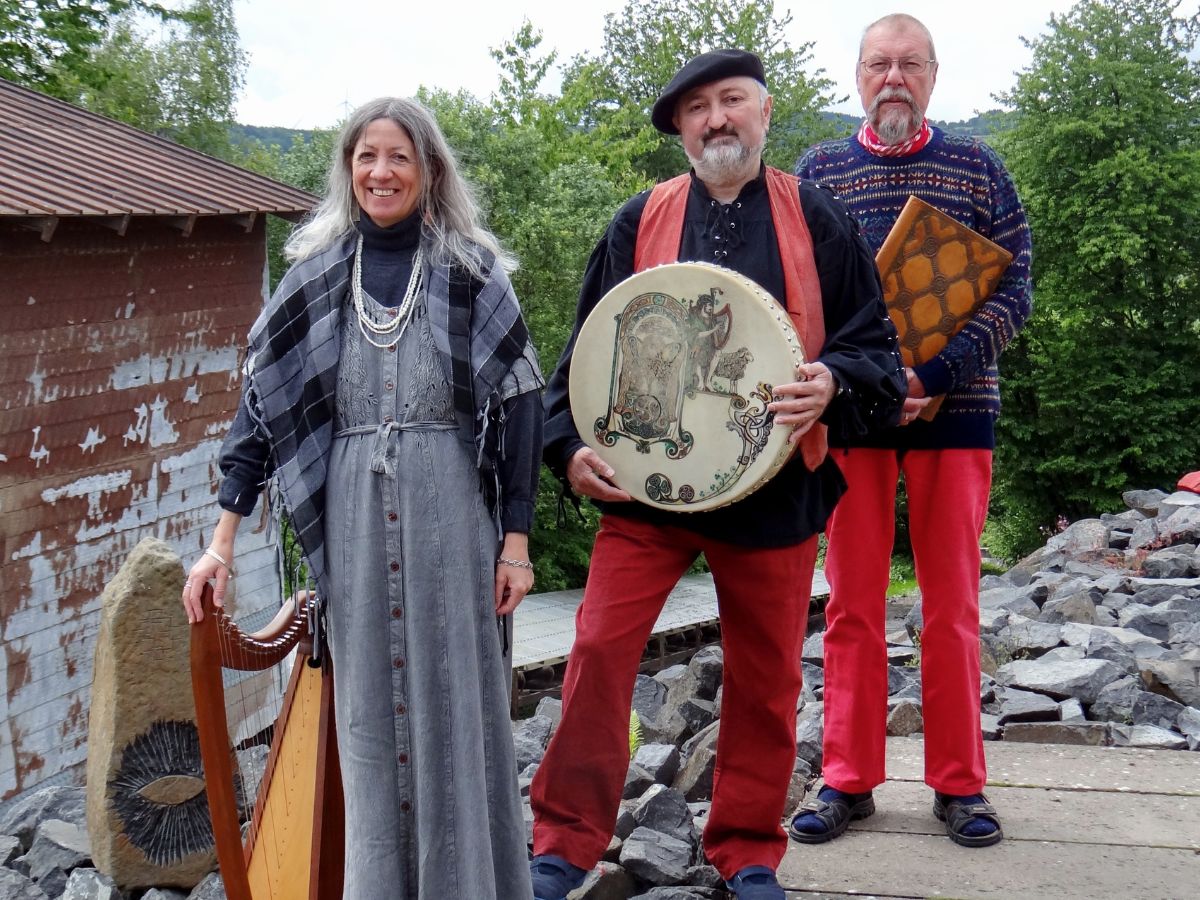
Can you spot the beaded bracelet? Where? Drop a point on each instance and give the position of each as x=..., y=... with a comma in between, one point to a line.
x=516, y=563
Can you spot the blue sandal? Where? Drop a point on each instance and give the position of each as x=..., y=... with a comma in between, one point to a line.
x=831, y=811
x=755, y=883
x=967, y=819
x=554, y=877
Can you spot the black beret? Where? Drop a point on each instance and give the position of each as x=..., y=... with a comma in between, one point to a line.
x=707, y=67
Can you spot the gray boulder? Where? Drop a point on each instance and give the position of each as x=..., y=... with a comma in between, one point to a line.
x=1076, y=607
x=15, y=886
x=1081, y=678
x=1031, y=635
x=705, y=876
x=656, y=857
x=1170, y=562
x=649, y=695
x=607, y=881
x=1153, y=621
x=550, y=708
x=1010, y=599
x=164, y=894
x=665, y=810
x=1071, y=710
x=660, y=760
x=1081, y=539
x=57, y=845
x=814, y=648
x=1176, y=678
x=1184, y=633
x=698, y=714
x=695, y=779
x=211, y=888
x=1026, y=706
x=10, y=848
x=1063, y=654
x=1092, y=734
x=1150, y=737
x=810, y=733
x=637, y=782
x=23, y=816
x=1115, y=701
x=900, y=677
x=88, y=884
x=682, y=892
x=1154, y=709
x=905, y=719
x=1189, y=724
x=529, y=740
x=707, y=666
x=1144, y=502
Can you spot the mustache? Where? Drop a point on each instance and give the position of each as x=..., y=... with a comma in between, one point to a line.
x=723, y=131
x=889, y=94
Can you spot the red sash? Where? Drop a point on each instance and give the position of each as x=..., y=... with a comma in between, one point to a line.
x=660, y=232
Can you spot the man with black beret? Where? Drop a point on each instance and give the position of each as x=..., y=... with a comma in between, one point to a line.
x=798, y=243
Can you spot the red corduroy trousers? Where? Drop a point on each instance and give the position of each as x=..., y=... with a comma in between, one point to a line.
x=762, y=596
x=947, y=505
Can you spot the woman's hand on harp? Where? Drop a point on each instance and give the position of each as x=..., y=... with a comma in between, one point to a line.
x=801, y=403
x=215, y=564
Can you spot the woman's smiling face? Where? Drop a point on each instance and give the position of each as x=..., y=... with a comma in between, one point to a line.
x=385, y=173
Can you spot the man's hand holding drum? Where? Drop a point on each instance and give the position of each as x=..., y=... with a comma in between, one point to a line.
x=801, y=403
x=590, y=476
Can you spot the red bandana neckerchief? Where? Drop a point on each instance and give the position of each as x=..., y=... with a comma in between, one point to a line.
x=870, y=140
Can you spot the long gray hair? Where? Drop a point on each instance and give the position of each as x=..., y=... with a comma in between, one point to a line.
x=451, y=220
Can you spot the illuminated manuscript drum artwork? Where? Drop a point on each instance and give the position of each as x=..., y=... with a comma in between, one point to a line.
x=670, y=380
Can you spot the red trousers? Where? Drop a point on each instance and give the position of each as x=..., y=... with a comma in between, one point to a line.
x=762, y=595
x=947, y=505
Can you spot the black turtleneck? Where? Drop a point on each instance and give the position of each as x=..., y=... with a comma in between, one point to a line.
x=387, y=256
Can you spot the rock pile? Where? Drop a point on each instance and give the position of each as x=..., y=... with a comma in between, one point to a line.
x=1093, y=639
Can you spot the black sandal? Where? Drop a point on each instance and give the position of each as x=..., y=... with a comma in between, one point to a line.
x=956, y=814
x=836, y=813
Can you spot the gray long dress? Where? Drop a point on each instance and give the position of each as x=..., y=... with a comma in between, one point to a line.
x=432, y=805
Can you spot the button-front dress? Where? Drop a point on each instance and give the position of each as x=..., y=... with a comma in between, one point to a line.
x=421, y=685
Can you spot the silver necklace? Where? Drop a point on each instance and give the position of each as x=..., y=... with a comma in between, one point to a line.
x=392, y=329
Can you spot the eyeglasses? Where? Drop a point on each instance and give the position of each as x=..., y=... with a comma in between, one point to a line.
x=909, y=65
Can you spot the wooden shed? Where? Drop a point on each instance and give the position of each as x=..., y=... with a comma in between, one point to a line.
x=130, y=272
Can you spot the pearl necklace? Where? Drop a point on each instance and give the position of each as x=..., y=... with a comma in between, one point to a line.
x=367, y=325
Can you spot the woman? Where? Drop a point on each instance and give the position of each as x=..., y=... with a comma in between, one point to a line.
x=392, y=390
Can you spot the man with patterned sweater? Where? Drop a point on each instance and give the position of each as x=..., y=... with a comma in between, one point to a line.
x=946, y=462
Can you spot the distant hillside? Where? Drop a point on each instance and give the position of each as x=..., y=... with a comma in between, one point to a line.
x=982, y=125
x=240, y=135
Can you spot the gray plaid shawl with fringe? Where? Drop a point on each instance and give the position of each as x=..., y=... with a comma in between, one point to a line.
x=291, y=369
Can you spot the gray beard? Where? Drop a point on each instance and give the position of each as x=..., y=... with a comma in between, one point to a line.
x=894, y=127
x=726, y=161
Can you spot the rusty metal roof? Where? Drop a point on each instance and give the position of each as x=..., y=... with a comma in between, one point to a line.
x=59, y=160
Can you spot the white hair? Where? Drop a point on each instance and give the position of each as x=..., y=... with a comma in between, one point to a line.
x=451, y=220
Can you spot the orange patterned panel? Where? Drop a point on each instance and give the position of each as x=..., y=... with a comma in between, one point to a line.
x=935, y=272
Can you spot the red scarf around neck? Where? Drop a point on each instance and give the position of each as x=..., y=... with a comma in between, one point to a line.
x=871, y=141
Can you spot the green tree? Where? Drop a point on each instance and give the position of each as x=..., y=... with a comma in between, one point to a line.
x=42, y=40
x=607, y=96
x=183, y=86
x=1102, y=391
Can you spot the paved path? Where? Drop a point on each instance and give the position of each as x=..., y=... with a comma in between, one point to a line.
x=545, y=623
x=1080, y=822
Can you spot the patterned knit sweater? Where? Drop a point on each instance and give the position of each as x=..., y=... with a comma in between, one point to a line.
x=965, y=179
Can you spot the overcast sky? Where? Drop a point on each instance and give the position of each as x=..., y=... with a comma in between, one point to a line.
x=311, y=60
